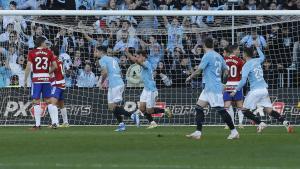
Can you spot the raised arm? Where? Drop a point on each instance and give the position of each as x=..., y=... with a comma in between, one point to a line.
x=261, y=55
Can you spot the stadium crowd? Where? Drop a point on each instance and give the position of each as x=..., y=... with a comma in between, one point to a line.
x=175, y=41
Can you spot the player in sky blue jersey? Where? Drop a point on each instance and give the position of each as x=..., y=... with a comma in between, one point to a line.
x=111, y=69
x=150, y=93
x=258, y=94
x=213, y=67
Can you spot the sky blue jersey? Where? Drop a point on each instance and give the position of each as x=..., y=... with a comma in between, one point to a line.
x=147, y=76
x=253, y=71
x=213, y=65
x=113, y=71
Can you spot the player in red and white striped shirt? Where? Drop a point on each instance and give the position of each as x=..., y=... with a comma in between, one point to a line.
x=41, y=62
x=57, y=92
x=235, y=65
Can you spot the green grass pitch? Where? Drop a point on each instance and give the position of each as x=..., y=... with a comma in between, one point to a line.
x=138, y=148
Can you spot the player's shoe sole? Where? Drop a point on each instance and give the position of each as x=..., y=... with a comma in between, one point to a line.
x=191, y=136
x=233, y=136
x=120, y=129
x=152, y=126
x=65, y=125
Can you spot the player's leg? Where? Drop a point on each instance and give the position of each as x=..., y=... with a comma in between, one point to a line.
x=166, y=111
x=52, y=103
x=238, y=99
x=201, y=104
x=36, y=90
x=250, y=104
x=216, y=101
x=268, y=108
x=63, y=110
x=228, y=104
x=150, y=104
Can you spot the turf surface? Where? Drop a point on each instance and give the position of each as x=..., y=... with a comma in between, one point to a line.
x=138, y=148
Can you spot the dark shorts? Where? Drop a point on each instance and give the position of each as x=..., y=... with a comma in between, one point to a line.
x=238, y=96
x=57, y=93
x=39, y=90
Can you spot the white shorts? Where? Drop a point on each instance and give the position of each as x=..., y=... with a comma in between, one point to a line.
x=115, y=94
x=214, y=100
x=257, y=97
x=149, y=98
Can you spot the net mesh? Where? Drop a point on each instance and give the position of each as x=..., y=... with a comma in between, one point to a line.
x=176, y=41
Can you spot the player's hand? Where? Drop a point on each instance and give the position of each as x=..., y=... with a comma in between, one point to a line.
x=255, y=43
x=232, y=94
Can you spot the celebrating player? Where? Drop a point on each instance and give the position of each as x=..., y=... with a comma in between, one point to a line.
x=258, y=94
x=212, y=65
x=235, y=65
x=150, y=93
x=110, y=68
x=39, y=60
x=57, y=93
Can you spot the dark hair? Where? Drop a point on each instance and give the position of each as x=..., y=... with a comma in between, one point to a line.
x=131, y=50
x=55, y=50
x=143, y=53
x=248, y=51
x=102, y=48
x=39, y=41
x=231, y=48
x=209, y=42
x=14, y=3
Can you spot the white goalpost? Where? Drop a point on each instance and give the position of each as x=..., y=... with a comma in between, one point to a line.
x=174, y=37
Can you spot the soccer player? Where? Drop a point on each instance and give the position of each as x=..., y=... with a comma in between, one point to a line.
x=42, y=62
x=212, y=65
x=150, y=93
x=235, y=65
x=258, y=94
x=110, y=68
x=57, y=94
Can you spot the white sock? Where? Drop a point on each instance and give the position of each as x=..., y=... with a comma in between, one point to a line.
x=37, y=114
x=54, y=111
x=231, y=113
x=64, y=115
x=241, y=116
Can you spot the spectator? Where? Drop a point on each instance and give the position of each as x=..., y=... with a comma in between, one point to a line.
x=86, y=77
x=162, y=77
x=100, y=4
x=5, y=73
x=32, y=4
x=124, y=66
x=5, y=36
x=175, y=34
x=88, y=4
x=11, y=54
x=133, y=76
x=18, y=21
x=126, y=26
x=254, y=36
x=181, y=71
x=251, y=5
x=70, y=78
x=126, y=42
x=77, y=60
x=189, y=6
x=67, y=61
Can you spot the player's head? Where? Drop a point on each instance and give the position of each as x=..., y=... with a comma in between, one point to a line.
x=131, y=50
x=141, y=56
x=55, y=50
x=100, y=51
x=233, y=50
x=208, y=43
x=248, y=53
x=40, y=42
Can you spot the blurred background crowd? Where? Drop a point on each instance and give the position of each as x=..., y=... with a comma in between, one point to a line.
x=176, y=42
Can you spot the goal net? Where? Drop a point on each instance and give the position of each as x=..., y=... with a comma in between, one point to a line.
x=175, y=40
